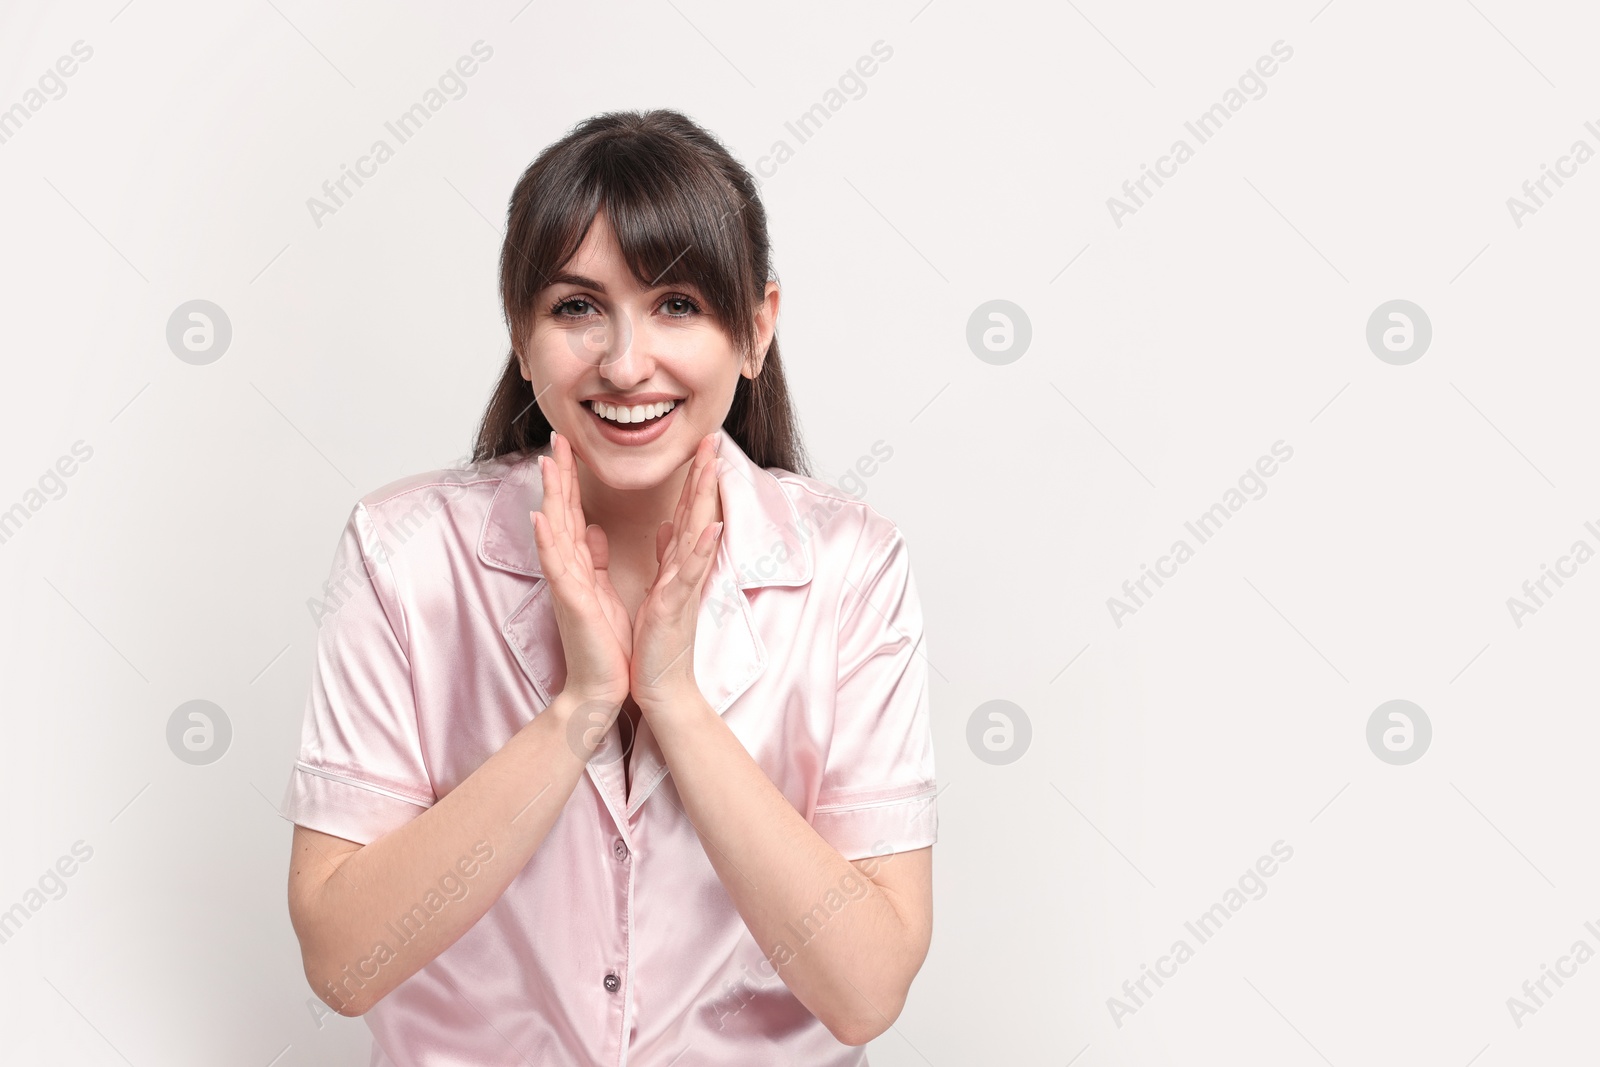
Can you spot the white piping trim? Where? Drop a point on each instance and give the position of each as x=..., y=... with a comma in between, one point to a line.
x=358, y=783
x=825, y=809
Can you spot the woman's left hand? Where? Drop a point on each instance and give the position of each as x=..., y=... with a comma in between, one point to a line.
x=662, y=664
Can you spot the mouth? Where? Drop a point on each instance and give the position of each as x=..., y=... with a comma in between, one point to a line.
x=644, y=422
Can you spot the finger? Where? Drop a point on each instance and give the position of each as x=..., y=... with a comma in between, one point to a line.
x=584, y=556
x=701, y=506
x=551, y=505
x=569, y=486
x=577, y=525
x=571, y=587
x=559, y=546
x=549, y=559
x=682, y=524
x=680, y=515
x=706, y=503
x=561, y=452
x=566, y=519
x=685, y=580
x=599, y=547
x=663, y=540
x=599, y=550
x=695, y=567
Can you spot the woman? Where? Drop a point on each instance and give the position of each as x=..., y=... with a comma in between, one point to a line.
x=617, y=747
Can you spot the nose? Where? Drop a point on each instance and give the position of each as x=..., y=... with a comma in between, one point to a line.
x=625, y=355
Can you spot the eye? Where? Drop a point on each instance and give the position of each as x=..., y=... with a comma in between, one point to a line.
x=682, y=301
x=558, y=308
x=577, y=307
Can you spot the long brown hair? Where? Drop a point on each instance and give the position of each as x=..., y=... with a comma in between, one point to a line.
x=682, y=209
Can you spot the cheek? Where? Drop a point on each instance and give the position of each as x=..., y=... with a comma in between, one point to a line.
x=549, y=360
x=717, y=373
x=716, y=388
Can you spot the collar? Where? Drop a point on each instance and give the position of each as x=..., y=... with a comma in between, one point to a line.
x=761, y=534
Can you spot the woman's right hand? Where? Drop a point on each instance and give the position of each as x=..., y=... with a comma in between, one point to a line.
x=596, y=633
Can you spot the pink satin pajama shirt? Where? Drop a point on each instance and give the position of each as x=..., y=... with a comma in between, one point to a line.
x=617, y=943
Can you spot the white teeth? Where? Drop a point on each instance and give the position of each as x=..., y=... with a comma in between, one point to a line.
x=637, y=413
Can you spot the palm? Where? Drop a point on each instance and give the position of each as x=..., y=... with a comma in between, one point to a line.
x=616, y=612
x=596, y=631
x=662, y=656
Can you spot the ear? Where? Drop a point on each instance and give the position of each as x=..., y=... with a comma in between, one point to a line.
x=522, y=360
x=766, y=322
x=520, y=350
x=525, y=367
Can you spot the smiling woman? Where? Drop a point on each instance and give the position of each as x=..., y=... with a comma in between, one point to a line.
x=675, y=736
x=660, y=207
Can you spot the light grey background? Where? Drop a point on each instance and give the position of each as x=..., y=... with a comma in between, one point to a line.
x=1227, y=313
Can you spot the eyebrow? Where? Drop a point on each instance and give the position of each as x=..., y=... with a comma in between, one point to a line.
x=576, y=279
x=568, y=278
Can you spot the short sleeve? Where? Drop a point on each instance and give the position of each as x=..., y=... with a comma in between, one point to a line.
x=360, y=771
x=878, y=784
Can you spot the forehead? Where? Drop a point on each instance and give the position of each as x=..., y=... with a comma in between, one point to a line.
x=599, y=263
x=599, y=249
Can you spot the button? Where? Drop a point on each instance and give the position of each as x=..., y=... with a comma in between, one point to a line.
x=620, y=848
x=613, y=983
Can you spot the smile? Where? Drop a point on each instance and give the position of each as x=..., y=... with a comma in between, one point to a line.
x=635, y=425
x=627, y=416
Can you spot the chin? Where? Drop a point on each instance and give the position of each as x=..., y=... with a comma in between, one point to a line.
x=641, y=467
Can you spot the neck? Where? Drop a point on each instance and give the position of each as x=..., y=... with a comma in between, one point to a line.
x=630, y=517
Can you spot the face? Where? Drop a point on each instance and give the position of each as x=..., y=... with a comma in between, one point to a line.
x=603, y=348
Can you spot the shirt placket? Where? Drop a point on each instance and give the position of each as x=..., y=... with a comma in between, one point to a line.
x=616, y=982
x=622, y=854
